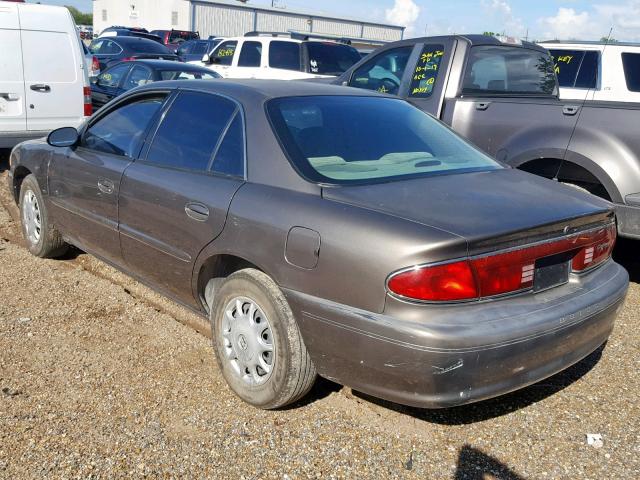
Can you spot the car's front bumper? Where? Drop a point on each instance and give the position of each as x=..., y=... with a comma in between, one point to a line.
x=441, y=356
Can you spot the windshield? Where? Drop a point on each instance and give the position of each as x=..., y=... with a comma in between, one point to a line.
x=331, y=58
x=181, y=75
x=348, y=139
x=509, y=70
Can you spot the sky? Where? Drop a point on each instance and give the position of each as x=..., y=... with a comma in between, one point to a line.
x=537, y=20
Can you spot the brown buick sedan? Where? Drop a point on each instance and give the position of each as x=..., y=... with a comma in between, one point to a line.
x=330, y=231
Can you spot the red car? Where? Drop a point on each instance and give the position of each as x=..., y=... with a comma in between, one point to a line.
x=174, y=38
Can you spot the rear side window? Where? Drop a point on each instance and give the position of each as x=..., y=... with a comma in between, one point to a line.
x=331, y=58
x=113, y=76
x=426, y=71
x=285, y=55
x=576, y=68
x=121, y=131
x=509, y=70
x=191, y=131
x=384, y=71
x=224, y=53
x=631, y=65
x=250, y=55
x=137, y=77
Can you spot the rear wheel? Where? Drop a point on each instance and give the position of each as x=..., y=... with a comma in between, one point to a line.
x=43, y=240
x=257, y=341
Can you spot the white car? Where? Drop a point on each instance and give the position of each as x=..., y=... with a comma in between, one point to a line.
x=44, y=83
x=597, y=70
x=278, y=57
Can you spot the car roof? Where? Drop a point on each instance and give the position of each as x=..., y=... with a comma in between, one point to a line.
x=171, y=65
x=473, y=39
x=250, y=90
x=130, y=40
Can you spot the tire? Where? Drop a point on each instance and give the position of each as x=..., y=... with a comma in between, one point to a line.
x=247, y=306
x=42, y=239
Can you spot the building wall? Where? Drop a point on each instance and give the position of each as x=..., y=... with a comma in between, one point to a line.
x=222, y=21
x=226, y=19
x=150, y=14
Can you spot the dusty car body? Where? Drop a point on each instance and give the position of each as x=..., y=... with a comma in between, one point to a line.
x=339, y=243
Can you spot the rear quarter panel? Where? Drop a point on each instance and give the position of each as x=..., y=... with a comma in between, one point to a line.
x=359, y=248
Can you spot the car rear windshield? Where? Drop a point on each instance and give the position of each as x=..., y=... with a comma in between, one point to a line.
x=327, y=58
x=497, y=70
x=349, y=139
x=148, y=46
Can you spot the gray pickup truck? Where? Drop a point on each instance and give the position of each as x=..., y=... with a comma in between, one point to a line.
x=503, y=96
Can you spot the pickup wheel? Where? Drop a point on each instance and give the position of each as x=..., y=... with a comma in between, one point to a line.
x=258, y=344
x=43, y=240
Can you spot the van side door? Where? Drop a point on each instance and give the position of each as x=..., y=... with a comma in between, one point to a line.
x=53, y=70
x=174, y=199
x=13, y=116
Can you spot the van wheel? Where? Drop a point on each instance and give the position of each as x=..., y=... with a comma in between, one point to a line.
x=43, y=240
x=257, y=342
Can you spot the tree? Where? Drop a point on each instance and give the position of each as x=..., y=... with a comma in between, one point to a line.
x=490, y=34
x=79, y=17
x=608, y=40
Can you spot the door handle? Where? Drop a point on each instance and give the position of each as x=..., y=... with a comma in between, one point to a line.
x=40, y=87
x=106, y=186
x=10, y=97
x=197, y=211
x=482, y=105
x=570, y=109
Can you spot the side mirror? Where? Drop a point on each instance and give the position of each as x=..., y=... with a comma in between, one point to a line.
x=63, y=137
x=206, y=58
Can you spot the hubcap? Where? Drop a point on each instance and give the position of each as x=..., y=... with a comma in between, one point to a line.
x=31, y=217
x=248, y=341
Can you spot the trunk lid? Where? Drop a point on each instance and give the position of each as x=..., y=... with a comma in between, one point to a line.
x=492, y=210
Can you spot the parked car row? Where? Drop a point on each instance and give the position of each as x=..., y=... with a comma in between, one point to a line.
x=345, y=232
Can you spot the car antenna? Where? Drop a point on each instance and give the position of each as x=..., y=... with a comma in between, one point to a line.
x=584, y=101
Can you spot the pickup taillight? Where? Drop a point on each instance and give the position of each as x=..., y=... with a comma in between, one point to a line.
x=500, y=273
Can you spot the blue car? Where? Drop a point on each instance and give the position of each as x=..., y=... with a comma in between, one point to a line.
x=130, y=74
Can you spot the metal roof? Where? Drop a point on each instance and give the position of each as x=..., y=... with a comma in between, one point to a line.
x=307, y=13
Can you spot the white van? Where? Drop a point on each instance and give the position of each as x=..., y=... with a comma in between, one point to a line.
x=43, y=77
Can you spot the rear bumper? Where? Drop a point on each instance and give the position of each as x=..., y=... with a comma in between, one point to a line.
x=436, y=357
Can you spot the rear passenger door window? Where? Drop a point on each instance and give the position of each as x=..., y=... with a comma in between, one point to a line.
x=383, y=72
x=137, y=77
x=285, y=55
x=121, y=131
x=250, y=54
x=192, y=134
x=223, y=55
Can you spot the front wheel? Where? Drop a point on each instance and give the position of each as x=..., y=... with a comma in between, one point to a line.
x=43, y=240
x=257, y=341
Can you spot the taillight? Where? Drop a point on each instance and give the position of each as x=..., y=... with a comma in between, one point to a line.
x=95, y=65
x=500, y=273
x=88, y=110
x=439, y=283
x=597, y=250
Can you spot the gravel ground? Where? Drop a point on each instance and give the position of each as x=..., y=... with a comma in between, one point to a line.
x=102, y=378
